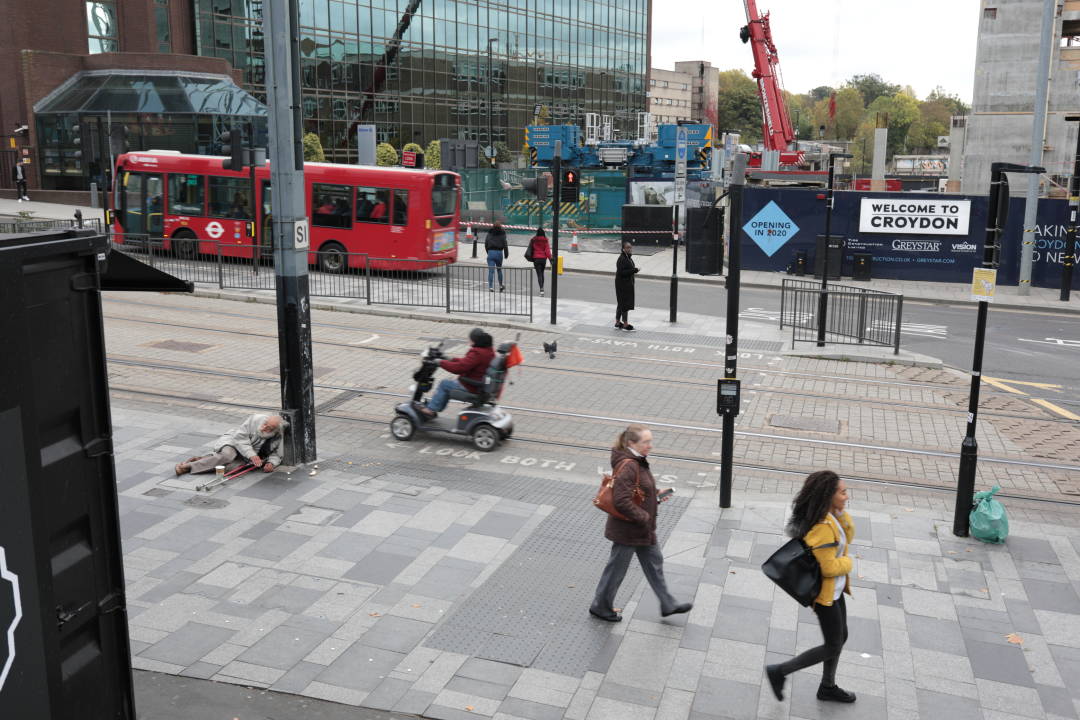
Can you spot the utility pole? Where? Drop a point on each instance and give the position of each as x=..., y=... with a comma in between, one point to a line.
x=290, y=224
x=1069, y=258
x=556, y=200
x=996, y=214
x=731, y=349
x=681, y=141
x=823, y=298
x=1038, y=140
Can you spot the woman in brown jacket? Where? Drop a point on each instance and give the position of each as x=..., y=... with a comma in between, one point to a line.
x=818, y=517
x=634, y=494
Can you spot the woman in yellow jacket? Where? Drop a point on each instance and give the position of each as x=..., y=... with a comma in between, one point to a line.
x=818, y=517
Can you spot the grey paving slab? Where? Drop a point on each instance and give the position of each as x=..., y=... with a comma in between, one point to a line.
x=361, y=667
x=1058, y=597
x=275, y=545
x=388, y=693
x=1033, y=550
x=290, y=598
x=1067, y=660
x=735, y=622
x=499, y=524
x=1022, y=617
x=695, y=637
x=726, y=698
x=1000, y=662
x=134, y=522
x=942, y=705
x=298, y=677
x=530, y=710
x=479, y=688
x=351, y=546
x=629, y=693
x=933, y=634
x=1056, y=701
x=188, y=644
x=396, y=633
x=414, y=702
x=490, y=671
x=282, y=648
x=864, y=635
x=378, y=568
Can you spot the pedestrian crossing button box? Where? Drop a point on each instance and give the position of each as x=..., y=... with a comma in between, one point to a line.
x=727, y=396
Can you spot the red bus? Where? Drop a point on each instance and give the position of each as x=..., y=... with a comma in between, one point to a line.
x=402, y=219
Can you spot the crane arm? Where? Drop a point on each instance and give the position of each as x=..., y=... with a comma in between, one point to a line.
x=776, y=130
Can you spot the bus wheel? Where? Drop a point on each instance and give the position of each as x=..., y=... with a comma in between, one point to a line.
x=332, y=258
x=185, y=244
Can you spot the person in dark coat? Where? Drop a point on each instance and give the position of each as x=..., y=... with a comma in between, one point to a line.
x=19, y=176
x=624, y=286
x=540, y=252
x=470, y=370
x=634, y=495
x=497, y=250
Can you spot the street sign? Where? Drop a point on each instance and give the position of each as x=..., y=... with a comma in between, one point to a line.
x=983, y=283
x=489, y=151
x=408, y=158
x=365, y=144
x=300, y=234
x=680, y=189
x=680, y=152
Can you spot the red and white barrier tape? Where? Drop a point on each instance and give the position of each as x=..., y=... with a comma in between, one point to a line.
x=567, y=230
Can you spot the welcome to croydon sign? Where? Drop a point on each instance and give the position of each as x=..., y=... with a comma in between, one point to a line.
x=914, y=217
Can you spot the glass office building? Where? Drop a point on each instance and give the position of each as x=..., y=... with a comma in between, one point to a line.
x=421, y=70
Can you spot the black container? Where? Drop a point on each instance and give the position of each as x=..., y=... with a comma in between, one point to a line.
x=862, y=266
x=647, y=217
x=59, y=524
x=836, y=256
x=800, y=262
x=704, y=241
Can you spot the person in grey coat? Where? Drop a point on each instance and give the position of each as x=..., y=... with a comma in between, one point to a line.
x=257, y=441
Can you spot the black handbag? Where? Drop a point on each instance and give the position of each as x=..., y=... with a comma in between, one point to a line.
x=796, y=571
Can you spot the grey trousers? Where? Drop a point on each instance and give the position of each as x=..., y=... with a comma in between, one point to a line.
x=226, y=456
x=652, y=564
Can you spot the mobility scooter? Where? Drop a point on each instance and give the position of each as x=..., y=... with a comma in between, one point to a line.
x=481, y=419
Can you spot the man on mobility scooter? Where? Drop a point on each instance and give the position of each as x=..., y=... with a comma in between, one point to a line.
x=482, y=375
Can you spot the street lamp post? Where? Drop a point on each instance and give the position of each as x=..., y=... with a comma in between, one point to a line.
x=490, y=82
x=997, y=209
x=823, y=298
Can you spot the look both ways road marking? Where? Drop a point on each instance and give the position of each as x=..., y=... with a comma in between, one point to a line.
x=1007, y=386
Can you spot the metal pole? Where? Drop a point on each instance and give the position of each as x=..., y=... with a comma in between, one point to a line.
x=491, y=139
x=1038, y=140
x=1069, y=258
x=731, y=349
x=290, y=226
x=555, y=201
x=673, y=293
x=823, y=298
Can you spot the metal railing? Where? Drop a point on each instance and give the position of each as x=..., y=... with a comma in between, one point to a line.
x=456, y=288
x=855, y=316
x=30, y=225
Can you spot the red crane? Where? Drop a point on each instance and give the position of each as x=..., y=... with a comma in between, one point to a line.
x=776, y=131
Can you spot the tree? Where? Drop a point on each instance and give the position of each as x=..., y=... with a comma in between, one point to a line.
x=871, y=87
x=385, y=155
x=433, y=155
x=902, y=110
x=502, y=152
x=821, y=92
x=738, y=106
x=313, y=150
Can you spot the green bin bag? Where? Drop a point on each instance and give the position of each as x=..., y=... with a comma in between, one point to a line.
x=988, y=521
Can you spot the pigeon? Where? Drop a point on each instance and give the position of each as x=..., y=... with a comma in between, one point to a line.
x=550, y=349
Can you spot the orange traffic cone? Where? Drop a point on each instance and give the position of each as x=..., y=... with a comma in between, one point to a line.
x=574, y=243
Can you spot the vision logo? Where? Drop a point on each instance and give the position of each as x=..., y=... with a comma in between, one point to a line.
x=10, y=614
x=771, y=228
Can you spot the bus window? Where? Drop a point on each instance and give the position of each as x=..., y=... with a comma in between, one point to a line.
x=187, y=194
x=401, y=207
x=443, y=199
x=372, y=204
x=331, y=205
x=229, y=198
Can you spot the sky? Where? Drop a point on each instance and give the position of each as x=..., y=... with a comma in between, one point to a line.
x=921, y=43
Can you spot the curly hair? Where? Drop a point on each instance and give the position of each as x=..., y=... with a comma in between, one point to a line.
x=812, y=503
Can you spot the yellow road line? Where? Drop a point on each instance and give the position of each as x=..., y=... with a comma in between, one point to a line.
x=1055, y=409
x=1005, y=384
x=1000, y=385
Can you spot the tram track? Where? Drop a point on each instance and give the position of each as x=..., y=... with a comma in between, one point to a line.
x=368, y=391
x=524, y=438
x=912, y=405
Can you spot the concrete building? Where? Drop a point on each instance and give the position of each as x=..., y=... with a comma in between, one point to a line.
x=704, y=92
x=1006, y=67
x=670, y=96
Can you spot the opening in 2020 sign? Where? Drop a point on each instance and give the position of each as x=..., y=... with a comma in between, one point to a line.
x=914, y=216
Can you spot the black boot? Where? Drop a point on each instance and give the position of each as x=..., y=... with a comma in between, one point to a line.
x=776, y=680
x=835, y=693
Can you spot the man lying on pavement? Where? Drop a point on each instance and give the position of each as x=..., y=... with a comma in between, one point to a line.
x=257, y=441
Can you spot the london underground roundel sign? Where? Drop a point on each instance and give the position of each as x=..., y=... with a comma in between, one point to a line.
x=215, y=230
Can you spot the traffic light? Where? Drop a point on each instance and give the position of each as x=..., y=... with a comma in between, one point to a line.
x=77, y=140
x=118, y=139
x=537, y=186
x=571, y=185
x=232, y=145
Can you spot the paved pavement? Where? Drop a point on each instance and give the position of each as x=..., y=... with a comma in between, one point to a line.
x=425, y=578
x=659, y=264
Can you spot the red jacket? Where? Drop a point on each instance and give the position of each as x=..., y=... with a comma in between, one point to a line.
x=471, y=368
x=541, y=248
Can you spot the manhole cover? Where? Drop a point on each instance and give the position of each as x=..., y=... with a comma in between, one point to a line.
x=206, y=502
x=192, y=347
x=797, y=422
x=157, y=492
